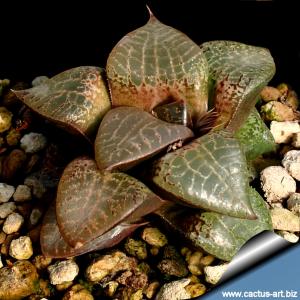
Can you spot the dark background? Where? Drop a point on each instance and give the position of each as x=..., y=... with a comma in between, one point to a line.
x=46, y=38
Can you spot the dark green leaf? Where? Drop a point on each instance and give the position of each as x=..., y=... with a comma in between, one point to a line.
x=76, y=99
x=219, y=235
x=209, y=173
x=255, y=137
x=90, y=202
x=128, y=135
x=238, y=72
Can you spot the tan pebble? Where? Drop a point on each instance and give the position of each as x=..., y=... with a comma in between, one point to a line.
x=277, y=184
x=136, y=248
x=13, y=223
x=22, y=193
x=42, y=262
x=196, y=289
x=293, y=203
x=296, y=140
x=283, y=219
x=154, y=251
x=154, y=237
x=151, y=289
x=185, y=251
x=6, y=244
x=214, y=273
x=195, y=258
x=2, y=237
x=111, y=288
x=138, y=295
x=291, y=163
x=207, y=260
x=13, y=137
x=283, y=131
x=289, y=236
x=6, y=209
x=6, y=192
x=21, y=248
x=5, y=119
x=13, y=163
x=63, y=286
x=277, y=111
x=195, y=270
x=63, y=271
x=78, y=292
x=270, y=93
x=18, y=281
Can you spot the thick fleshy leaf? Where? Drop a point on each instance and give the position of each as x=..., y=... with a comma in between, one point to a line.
x=53, y=244
x=175, y=112
x=219, y=235
x=237, y=73
x=129, y=135
x=90, y=202
x=75, y=99
x=157, y=64
x=209, y=173
x=255, y=137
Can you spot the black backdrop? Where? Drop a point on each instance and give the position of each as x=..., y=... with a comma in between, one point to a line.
x=46, y=38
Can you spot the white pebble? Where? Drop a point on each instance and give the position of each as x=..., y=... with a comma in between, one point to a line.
x=174, y=290
x=277, y=183
x=283, y=219
x=289, y=236
x=6, y=209
x=13, y=223
x=291, y=162
x=63, y=271
x=214, y=273
x=296, y=140
x=33, y=142
x=6, y=191
x=21, y=248
x=22, y=193
x=293, y=203
x=283, y=131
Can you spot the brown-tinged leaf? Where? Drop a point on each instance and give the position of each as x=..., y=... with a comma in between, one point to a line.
x=158, y=64
x=237, y=74
x=75, y=99
x=53, y=244
x=129, y=135
x=90, y=202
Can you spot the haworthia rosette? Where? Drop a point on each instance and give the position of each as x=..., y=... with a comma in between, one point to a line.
x=76, y=99
x=208, y=173
x=128, y=135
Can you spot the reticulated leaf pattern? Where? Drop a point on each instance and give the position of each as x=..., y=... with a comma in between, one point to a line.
x=208, y=173
x=128, y=135
x=76, y=99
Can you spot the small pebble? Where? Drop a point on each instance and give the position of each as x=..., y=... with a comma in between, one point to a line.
x=214, y=273
x=270, y=93
x=133, y=279
x=13, y=223
x=277, y=111
x=154, y=237
x=78, y=292
x=42, y=262
x=283, y=131
x=13, y=163
x=13, y=137
x=277, y=184
x=33, y=142
x=1, y=264
x=5, y=119
x=2, y=237
x=174, y=290
x=283, y=219
x=18, y=281
x=296, y=140
x=63, y=271
x=6, y=192
x=63, y=286
x=196, y=289
x=6, y=209
x=109, y=264
x=151, y=289
x=22, y=193
x=35, y=216
x=289, y=236
x=293, y=203
x=21, y=248
x=36, y=185
x=111, y=288
x=291, y=162
x=136, y=248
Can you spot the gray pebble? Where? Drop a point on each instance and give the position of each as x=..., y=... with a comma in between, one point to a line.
x=13, y=223
x=22, y=193
x=63, y=271
x=33, y=142
x=6, y=191
x=6, y=209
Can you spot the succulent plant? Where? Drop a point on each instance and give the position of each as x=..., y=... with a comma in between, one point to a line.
x=183, y=117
